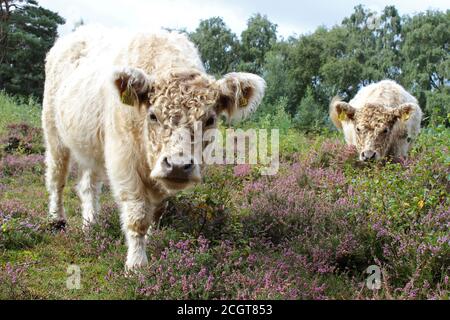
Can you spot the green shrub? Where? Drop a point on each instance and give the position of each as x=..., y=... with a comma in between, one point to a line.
x=438, y=107
x=310, y=116
x=16, y=110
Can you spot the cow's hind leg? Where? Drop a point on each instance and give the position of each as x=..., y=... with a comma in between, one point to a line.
x=57, y=161
x=89, y=191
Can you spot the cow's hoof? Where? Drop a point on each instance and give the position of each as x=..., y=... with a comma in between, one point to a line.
x=131, y=272
x=87, y=226
x=58, y=225
x=136, y=266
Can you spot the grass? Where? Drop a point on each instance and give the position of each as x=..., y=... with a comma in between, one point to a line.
x=308, y=233
x=14, y=110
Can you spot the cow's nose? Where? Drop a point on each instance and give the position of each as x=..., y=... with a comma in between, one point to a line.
x=368, y=155
x=188, y=167
x=176, y=169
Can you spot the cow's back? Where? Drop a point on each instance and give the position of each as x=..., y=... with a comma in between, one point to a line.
x=156, y=53
x=93, y=52
x=386, y=92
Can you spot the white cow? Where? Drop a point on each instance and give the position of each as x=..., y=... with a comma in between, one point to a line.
x=383, y=119
x=113, y=103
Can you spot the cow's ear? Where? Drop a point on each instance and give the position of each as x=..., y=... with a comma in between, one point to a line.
x=239, y=95
x=341, y=111
x=404, y=111
x=133, y=85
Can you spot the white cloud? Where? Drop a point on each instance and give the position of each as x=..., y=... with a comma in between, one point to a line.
x=292, y=16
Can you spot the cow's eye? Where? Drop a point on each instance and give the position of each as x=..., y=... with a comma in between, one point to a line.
x=152, y=116
x=358, y=129
x=385, y=130
x=210, y=122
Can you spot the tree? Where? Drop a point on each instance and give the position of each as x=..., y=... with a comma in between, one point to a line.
x=275, y=73
x=31, y=31
x=217, y=45
x=304, y=62
x=310, y=69
x=426, y=64
x=310, y=114
x=361, y=45
x=426, y=50
x=438, y=106
x=388, y=33
x=6, y=6
x=258, y=39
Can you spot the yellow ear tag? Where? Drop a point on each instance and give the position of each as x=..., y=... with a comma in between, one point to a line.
x=127, y=97
x=405, y=117
x=243, y=102
x=342, y=116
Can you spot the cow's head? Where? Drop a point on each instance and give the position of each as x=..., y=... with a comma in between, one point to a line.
x=376, y=126
x=173, y=105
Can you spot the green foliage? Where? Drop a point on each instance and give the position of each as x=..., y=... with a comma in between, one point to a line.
x=205, y=210
x=15, y=235
x=309, y=232
x=438, y=107
x=258, y=39
x=275, y=117
x=310, y=115
x=388, y=43
x=14, y=110
x=426, y=50
x=217, y=44
x=29, y=31
x=276, y=75
x=365, y=48
x=306, y=70
x=19, y=229
x=222, y=52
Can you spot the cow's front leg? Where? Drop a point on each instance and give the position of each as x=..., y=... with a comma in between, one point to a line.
x=136, y=219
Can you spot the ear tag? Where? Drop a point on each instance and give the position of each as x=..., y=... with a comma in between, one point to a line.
x=127, y=97
x=243, y=102
x=405, y=117
x=342, y=116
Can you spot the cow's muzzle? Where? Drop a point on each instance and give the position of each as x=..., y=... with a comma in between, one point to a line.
x=176, y=173
x=368, y=155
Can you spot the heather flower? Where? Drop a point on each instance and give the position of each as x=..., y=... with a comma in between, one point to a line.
x=17, y=230
x=242, y=170
x=195, y=269
x=103, y=234
x=12, y=165
x=22, y=138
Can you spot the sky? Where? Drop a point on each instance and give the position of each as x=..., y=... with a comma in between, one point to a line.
x=291, y=16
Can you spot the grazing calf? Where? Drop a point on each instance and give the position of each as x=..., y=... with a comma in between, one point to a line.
x=117, y=103
x=382, y=120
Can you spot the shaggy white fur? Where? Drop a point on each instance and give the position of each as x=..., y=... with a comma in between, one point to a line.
x=86, y=117
x=391, y=97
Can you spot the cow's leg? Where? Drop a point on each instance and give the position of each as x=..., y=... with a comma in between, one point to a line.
x=88, y=191
x=156, y=218
x=136, y=218
x=57, y=161
x=159, y=211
